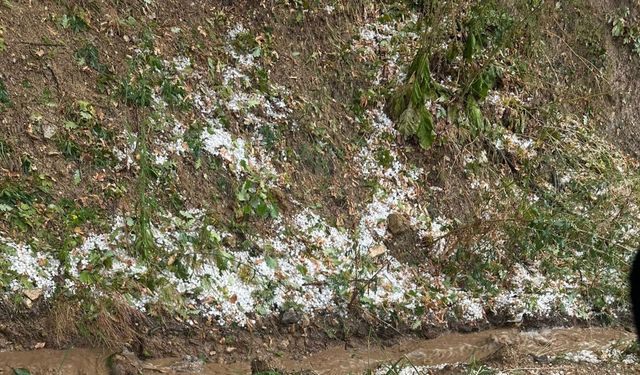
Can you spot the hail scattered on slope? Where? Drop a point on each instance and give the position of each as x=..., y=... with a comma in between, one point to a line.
x=309, y=264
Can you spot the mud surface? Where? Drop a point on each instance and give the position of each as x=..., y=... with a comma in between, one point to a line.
x=446, y=349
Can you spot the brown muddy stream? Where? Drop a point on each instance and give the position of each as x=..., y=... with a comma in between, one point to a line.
x=449, y=348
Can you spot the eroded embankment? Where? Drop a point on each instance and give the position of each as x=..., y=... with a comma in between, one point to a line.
x=589, y=346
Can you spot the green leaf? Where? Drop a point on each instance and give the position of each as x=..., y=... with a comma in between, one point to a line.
x=65, y=21
x=476, y=119
x=273, y=211
x=5, y=207
x=417, y=95
x=85, y=277
x=262, y=209
x=262, y=310
x=21, y=371
x=470, y=47
x=399, y=102
x=271, y=262
x=618, y=27
x=485, y=82
x=425, y=132
x=408, y=122
x=70, y=125
x=222, y=259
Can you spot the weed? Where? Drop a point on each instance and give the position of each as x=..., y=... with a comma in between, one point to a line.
x=174, y=94
x=68, y=147
x=46, y=98
x=88, y=55
x=193, y=139
x=74, y=20
x=81, y=114
x=144, y=245
x=4, y=95
x=254, y=198
x=384, y=158
x=270, y=136
x=625, y=27
x=407, y=105
x=5, y=149
x=136, y=90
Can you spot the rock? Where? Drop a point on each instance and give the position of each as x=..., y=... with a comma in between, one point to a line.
x=289, y=317
x=33, y=294
x=541, y=359
x=397, y=224
x=377, y=250
x=48, y=131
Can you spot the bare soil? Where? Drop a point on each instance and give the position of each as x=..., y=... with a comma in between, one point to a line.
x=508, y=350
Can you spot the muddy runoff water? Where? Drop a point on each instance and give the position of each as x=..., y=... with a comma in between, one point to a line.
x=448, y=348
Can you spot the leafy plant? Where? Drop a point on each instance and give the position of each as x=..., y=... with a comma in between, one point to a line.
x=255, y=199
x=136, y=90
x=76, y=21
x=407, y=105
x=68, y=147
x=81, y=114
x=625, y=27
x=144, y=244
x=174, y=94
x=88, y=55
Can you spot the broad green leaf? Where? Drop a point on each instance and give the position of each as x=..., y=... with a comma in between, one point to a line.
x=21, y=371
x=417, y=94
x=476, y=119
x=271, y=262
x=408, y=122
x=618, y=27
x=262, y=209
x=470, y=47
x=425, y=132
x=85, y=277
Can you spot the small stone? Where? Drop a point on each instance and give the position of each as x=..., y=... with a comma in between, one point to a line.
x=397, y=224
x=32, y=294
x=541, y=359
x=377, y=250
x=48, y=131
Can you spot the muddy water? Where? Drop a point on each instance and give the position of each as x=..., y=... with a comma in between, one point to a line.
x=451, y=348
